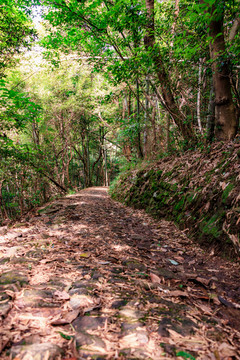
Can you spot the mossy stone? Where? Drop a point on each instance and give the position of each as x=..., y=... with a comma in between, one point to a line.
x=43, y=351
x=11, y=277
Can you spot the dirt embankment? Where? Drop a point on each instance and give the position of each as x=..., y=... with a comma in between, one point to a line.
x=199, y=191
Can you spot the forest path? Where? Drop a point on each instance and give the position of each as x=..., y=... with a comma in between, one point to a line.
x=88, y=278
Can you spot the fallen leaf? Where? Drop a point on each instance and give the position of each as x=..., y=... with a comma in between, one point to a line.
x=226, y=350
x=180, y=259
x=178, y=293
x=204, y=309
x=10, y=293
x=192, y=262
x=97, y=305
x=133, y=340
x=61, y=295
x=82, y=302
x=216, y=301
x=63, y=319
x=207, y=206
x=223, y=185
x=84, y=255
x=173, y=262
x=45, y=261
x=4, y=343
x=154, y=278
x=202, y=281
x=185, y=355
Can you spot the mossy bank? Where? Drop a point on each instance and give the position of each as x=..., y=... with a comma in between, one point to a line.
x=199, y=191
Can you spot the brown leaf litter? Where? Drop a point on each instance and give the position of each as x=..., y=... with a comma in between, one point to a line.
x=88, y=278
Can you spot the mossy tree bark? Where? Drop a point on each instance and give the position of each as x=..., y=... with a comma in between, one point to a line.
x=226, y=114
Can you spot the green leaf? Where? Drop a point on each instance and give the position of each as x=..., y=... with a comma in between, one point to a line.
x=185, y=355
x=66, y=337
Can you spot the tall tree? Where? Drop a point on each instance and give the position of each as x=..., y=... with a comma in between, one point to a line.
x=226, y=113
x=164, y=80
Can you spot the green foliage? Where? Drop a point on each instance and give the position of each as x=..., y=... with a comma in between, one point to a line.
x=52, y=133
x=211, y=226
x=185, y=355
x=16, y=33
x=227, y=191
x=64, y=336
x=95, y=95
x=17, y=109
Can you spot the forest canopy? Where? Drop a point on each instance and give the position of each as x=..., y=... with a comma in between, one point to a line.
x=88, y=87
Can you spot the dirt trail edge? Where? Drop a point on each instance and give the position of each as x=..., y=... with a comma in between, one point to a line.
x=88, y=278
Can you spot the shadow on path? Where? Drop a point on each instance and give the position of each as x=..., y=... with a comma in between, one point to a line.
x=88, y=278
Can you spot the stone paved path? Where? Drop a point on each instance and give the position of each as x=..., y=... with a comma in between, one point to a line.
x=87, y=278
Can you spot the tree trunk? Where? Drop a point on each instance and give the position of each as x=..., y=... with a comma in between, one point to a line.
x=199, y=97
x=226, y=118
x=2, y=205
x=139, y=145
x=210, y=116
x=67, y=169
x=169, y=101
x=145, y=133
x=105, y=167
x=167, y=147
x=235, y=28
x=127, y=149
x=100, y=155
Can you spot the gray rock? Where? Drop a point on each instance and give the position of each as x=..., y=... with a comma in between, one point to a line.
x=44, y=351
x=128, y=328
x=130, y=314
x=4, y=260
x=117, y=270
x=163, y=327
x=118, y=304
x=166, y=273
x=133, y=264
x=96, y=276
x=36, y=298
x=20, y=260
x=11, y=277
x=78, y=291
x=80, y=284
x=135, y=354
x=116, y=280
x=84, y=323
x=36, y=254
x=84, y=340
x=80, y=300
x=184, y=327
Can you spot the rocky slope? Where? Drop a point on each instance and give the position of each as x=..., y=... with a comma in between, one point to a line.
x=198, y=190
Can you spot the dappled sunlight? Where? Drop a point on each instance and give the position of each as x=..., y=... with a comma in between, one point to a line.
x=141, y=98
x=118, y=247
x=39, y=276
x=96, y=195
x=80, y=226
x=99, y=274
x=38, y=322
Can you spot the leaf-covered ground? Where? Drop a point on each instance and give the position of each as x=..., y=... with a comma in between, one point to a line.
x=88, y=278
